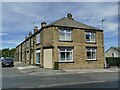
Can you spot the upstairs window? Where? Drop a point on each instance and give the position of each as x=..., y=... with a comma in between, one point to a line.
x=91, y=53
x=90, y=37
x=31, y=41
x=38, y=38
x=65, y=35
x=27, y=44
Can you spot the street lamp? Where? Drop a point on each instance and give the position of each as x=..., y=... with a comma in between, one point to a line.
x=105, y=63
x=102, y=22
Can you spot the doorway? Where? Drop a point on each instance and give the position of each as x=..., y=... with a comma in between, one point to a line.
x=47, y=58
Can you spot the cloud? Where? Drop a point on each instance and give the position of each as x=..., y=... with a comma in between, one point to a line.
x=60, y=0
x=0, y=17
x=18, y=17
x=3, y=34
x=12, y=42
x=111, y=43
x=111, y=27
x=93, y=13
x=9, y=43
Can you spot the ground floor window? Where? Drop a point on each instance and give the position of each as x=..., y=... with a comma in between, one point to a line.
x=65, y=54
x=91, y=53
x=38, y=57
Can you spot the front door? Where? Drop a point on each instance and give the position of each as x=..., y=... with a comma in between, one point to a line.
x=37, y=56
x=47, y=58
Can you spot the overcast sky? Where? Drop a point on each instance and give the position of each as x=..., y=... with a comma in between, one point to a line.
x=17, y=18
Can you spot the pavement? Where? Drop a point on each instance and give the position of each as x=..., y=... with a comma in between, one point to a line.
x=30, y=69
x=26, y=68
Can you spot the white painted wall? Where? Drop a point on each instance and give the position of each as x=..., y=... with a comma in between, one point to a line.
x=37, y=52
x=112, y=51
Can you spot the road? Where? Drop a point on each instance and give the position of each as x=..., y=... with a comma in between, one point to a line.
x=14, y=78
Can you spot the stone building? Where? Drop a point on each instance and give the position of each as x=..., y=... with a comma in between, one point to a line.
x=68, y=43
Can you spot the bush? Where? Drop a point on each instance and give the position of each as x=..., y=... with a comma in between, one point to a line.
x=113, y=61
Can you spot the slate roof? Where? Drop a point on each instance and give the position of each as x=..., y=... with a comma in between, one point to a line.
x=116, y=48
x=67, y=22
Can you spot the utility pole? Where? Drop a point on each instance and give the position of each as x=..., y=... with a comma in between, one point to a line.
x=105, y=63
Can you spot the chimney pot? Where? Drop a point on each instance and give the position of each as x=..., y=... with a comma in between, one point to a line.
x=69, y=15
x=43, y=24
x=26, y=37
x=30, y=33
x=35, y=29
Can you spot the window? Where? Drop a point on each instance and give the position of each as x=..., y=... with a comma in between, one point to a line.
x=90, y=37
x=31, y=41
x=65, y=54
x=27, y=44
x=38, y=57
x=91, y=53
x=38, y=39
x=113, y=54
x=65, y=35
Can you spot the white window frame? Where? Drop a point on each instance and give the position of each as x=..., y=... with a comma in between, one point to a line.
x=65, y=32
x=91, y=50
x=65, y=55
x=31, y=41
x=92, y=37
x=27, y=44
x=38, y=38
x=37, y=51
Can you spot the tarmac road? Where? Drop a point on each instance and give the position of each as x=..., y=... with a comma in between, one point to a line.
x=14, y=78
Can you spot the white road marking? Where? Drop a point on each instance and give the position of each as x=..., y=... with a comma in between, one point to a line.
x=27, y=67
x=74, y=83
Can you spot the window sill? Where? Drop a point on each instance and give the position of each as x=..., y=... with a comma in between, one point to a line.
x=37, y=64
x=91, y=60
x=65, y=40
x=66, y=61
x=37, y=43
x=90, y=42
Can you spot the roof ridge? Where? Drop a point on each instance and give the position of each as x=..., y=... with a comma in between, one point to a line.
x=117, y=48
x=56, y=21
x=71, y=23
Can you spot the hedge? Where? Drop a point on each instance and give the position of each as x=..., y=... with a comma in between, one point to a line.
x=113, y=61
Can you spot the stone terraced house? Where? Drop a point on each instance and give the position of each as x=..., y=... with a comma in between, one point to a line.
x=65, y=44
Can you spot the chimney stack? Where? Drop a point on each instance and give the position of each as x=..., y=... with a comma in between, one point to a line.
x=30, y=33
x=69, y=15
x=35, y=29
x=43, y=24
x=26, y=37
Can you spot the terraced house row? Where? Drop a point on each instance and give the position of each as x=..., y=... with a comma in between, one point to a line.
x=64, y=43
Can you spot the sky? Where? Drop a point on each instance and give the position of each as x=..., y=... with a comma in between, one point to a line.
x=18, y=18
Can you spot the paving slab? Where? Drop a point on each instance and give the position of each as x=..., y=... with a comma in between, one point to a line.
x=89, y=70
x=26, y=68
